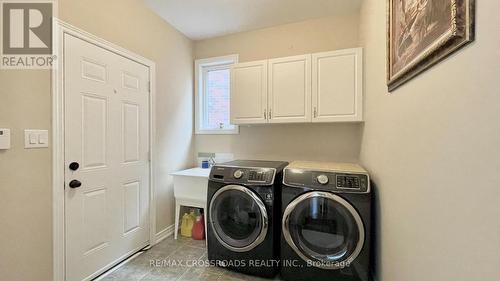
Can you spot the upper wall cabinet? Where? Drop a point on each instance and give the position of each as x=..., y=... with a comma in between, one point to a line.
x=249, y=93
x=337, y=88
x=290, y=89
x=322, y=87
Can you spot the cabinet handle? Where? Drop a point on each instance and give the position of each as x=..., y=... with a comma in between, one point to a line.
x=315, y=112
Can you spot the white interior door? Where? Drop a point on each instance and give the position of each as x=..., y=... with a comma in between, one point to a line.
x=290, y=89
x=107, y=134
x=249, y=92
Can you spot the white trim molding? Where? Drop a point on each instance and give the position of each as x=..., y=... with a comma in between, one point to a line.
x=165, y=233
x=199, y=66
x=59, y=29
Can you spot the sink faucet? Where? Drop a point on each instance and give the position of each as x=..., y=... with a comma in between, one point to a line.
x=211, y=161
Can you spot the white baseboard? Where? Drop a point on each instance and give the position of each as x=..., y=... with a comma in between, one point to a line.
x=160, y=236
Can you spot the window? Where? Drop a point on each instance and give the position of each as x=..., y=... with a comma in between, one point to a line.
x=212, y=88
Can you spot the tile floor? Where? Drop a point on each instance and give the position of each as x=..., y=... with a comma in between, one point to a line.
x=183, y=249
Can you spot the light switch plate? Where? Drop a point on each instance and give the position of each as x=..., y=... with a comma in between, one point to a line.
x=4, y=138
x=36, y=138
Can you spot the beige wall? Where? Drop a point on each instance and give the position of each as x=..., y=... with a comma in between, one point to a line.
x=430, y=146
x=25, y=102
x=25, y=190
x=340, y=142
x=432, y=149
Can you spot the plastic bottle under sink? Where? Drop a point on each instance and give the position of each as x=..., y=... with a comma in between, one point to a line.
x=198, y=232
x=187, y=225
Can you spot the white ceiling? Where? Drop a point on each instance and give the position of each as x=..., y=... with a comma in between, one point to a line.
x=201, y=19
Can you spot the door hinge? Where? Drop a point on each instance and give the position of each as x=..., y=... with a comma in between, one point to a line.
x=149, y=156
x=315, y=113
x=149, y=87
x=265, y=114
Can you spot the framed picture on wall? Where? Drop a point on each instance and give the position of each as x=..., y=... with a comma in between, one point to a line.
x=420, y=33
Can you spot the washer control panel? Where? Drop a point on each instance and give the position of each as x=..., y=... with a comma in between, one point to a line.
x=238, y=174
x=348, y=181
x=332, y=181
x=258, y=175
x=242, y=175
x=322, y=179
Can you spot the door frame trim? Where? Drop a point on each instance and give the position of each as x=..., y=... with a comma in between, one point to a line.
x=58, y=212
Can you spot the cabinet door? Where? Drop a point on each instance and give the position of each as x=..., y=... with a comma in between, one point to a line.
x=337, y=86
x=249, y=93
x=290, y=89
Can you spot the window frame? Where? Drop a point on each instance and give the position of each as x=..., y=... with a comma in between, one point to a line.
x=202, y=66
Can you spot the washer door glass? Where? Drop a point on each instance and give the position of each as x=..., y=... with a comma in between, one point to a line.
x=323, y=229
x=239, y=218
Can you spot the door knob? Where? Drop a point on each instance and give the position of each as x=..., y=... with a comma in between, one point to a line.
x=75, y=184
x=74, y=166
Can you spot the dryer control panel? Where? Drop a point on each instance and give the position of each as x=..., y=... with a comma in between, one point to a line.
x=332, y=181
x=243, y=175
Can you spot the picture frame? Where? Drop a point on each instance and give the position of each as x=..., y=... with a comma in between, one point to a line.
x=421, y=33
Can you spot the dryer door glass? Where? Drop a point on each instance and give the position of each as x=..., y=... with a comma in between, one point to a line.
x=238, y=217
x=323, y=229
